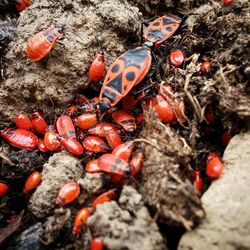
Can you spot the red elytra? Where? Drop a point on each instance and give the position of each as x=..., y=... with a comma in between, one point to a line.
x=124, y=150
x=197, y=181
x=212, y=155
x=80, y=220
x=136, y=163
x=38, y=122
x=39, y=45
x=96, y=244
x=102, y=129
x=51, y=140
x=176, y=57
x=65, y=127
x=214, y=167
x=140, y=118
x=68, y=193
x=32, y=182
x=23, y=121
x=209, y=114
x=227, y=2
x=3, y=189
x=87, y=121
x=226, y=137
x=95, y=144
x=22, y=5
x=105, y=197
x=163, y=108
x=128, y=102
x=113, y=139
x=124, y=119
x=20, y=138
x=97, y=67
x=71, y=111
x=41, y=146
x=72, y=145
x=92, y=166
x=112, y=164
x=205, y=67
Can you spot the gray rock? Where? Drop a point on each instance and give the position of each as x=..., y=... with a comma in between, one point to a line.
x=227, y=204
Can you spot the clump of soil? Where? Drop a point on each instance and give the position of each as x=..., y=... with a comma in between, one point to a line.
x=166, y=176
x=127, y=225
x=60, y=169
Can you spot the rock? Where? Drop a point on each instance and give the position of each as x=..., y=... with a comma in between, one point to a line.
x=131, y=229
x=226, y=203
x=53, y=82
x=60, y=169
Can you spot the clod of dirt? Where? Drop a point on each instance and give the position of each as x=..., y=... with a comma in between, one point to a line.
x=226, y=202
x=92, y=183
x=29, y=239
x=60, y=169
x=53, y=82
x=126, y=229
x=54, y=225
x=165, y=172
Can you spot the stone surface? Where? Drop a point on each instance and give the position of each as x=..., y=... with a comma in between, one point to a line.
x=226, y=203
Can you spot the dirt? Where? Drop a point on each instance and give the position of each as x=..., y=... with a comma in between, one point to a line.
x=60, y=169
x=129, y=223
x=53, y=83
x=166, y=176
x=162, y=203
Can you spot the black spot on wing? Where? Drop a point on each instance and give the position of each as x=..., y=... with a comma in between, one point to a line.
x=116, y=83
x=169, y=29
x=167, y=21
x=130, y=76
x=134, y=57
x=156, y=23
x=156, y=35
x=115, y=68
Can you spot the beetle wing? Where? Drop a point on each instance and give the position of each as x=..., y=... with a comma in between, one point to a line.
x=127, y=71
x=110, y=163
x=161, y=29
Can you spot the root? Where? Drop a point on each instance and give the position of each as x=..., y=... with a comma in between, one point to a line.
x=194, y=102
x=148, y=142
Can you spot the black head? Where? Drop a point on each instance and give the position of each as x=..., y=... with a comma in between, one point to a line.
x=104, y=105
